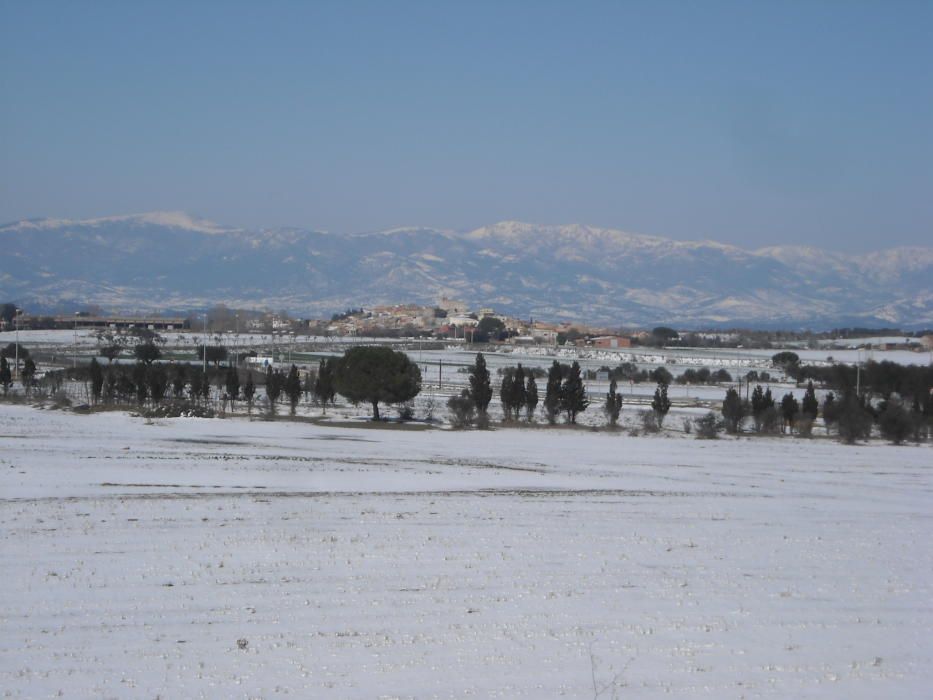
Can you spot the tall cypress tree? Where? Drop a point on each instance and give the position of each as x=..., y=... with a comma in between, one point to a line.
x=789, y=410
x=233, y=385
x=518, y=390
x=324, y=383
x=273, y=387
x=480, y=387
x=6, y=377
x=613, y=406
x=552, y=402
x=809, y=406
x=531, y=398
x=506, y=394
x=249, y=390
x=97, y=379
x=293, y=388
x=733, y=411
x=573, y=393
x=660, y=404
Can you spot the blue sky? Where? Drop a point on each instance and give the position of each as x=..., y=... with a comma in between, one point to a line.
x=750, y=122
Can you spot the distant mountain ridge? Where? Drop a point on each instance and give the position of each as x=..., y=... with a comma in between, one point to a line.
x=174, y=260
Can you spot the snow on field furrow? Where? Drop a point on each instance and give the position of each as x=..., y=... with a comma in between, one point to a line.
x=755, y=568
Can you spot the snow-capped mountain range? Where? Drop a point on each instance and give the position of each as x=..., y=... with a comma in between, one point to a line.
x=173, y=260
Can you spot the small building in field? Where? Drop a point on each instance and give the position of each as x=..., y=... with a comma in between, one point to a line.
x=260, y=361
x=611, y=341
x=151, y=322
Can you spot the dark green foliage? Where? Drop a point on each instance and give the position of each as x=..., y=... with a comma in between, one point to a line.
x=920, y=425
x=97, y=380
x=215, y=354
x=734, y=411
x=785, y=359
x=663, y=335
x=110, y=386
x=573, y=399
x=147, y=353
x=293, y=388
x=660, y=404
x=111, y=352
x=274, y=384
x=512, y=392
x=156, y=383
x=480, y=392
x=9, y=352
x=613, y=405
x=708, y=426
x=854, y=420
x=694, y=376
x=249, y=391
x=830, y=411
x=762, y=401
x=139, y=382
x=809, y=406
x=789, y=410
x=531, y=398
x=505, y=395
x=552, y=396
x=179, y=379
x=462, y=410
x=895, y=421
x=661, y=375
x=769, y=419
x=570, y=336
x=489, y=328
x=519, y=396
x=629, y=372
x=377, y=374
x=6, y=377
x=8, y=312
x=324, y=390
x=721, y=376
x=232, y=384
x=197, y=381
x=29, y=372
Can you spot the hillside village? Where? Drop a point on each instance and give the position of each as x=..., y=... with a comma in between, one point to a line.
x=452, y=320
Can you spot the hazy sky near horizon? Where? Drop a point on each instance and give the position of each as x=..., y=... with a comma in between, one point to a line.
x=752, y=123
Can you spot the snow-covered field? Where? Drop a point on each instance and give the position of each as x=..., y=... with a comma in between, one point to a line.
x=364, y=563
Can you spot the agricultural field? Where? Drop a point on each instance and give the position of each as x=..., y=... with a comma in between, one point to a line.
x=256, y=559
